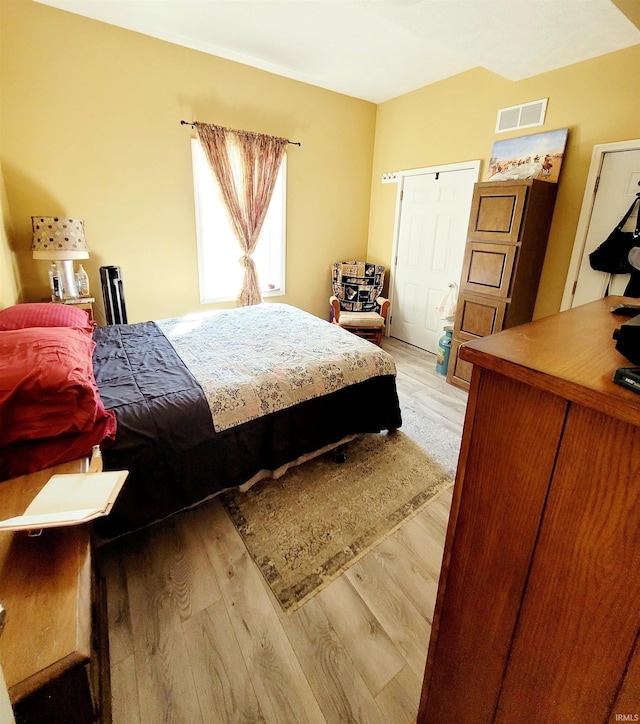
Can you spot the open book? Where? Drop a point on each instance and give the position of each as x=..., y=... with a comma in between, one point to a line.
x=70, y=500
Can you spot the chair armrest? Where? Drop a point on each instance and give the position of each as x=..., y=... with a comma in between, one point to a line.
x=335, y=307
x=384, y=306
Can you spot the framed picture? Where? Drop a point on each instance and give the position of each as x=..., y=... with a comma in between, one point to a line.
x=537, y=156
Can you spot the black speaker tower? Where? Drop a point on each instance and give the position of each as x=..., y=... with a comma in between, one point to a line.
x=113, y=294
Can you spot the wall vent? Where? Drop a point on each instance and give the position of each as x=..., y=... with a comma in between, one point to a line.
x=522, y=116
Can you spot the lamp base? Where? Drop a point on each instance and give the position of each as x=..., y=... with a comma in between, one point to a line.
x=69, y=288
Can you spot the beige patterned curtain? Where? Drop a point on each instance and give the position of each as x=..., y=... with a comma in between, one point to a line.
x=246, y=166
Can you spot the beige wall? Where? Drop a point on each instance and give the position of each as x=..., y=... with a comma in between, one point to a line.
x=90, y=128
x=454, y=120
x=9, y=276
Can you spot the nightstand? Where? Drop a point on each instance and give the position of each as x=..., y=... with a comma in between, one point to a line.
x=53, y=650
x=81, y=303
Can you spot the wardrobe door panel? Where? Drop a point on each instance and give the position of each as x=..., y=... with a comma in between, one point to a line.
x=458, y=371
x=479, y=316
x=497, y=212
x=487, y=268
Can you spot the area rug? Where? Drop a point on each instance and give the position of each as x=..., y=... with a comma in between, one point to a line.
x=306, y=528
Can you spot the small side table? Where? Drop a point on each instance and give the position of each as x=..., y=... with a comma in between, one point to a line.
x=49, y=652
x=85, y=303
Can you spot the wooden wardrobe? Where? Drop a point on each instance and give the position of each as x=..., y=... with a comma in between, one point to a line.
x=537, y=618
x=506, y=243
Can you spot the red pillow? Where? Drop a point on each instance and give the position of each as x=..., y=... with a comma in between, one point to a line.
x=44, y=314
x=47, y=386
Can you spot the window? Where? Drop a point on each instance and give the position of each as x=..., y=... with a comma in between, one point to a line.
x=219, y=251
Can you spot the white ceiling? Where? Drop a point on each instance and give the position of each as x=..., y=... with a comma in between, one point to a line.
x=378, y=49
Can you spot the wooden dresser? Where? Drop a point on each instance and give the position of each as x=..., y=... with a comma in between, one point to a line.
x=506, y=242
x=537, y=618
x=54, y=647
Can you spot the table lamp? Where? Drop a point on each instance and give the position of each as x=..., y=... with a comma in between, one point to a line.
x=61, y=240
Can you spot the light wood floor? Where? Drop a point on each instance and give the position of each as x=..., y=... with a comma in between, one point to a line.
x=196, y=635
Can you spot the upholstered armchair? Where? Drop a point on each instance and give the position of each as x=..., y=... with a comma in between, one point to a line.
x=357, y=303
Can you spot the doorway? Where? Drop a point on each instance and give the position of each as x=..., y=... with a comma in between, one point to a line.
x=612, y=184
x=432, y=217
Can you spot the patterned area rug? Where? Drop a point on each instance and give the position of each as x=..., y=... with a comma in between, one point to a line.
x=306, y=528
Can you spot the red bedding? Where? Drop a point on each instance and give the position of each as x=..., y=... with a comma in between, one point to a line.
x=50, y=408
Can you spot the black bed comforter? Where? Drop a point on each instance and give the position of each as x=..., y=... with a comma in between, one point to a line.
x=166, y=439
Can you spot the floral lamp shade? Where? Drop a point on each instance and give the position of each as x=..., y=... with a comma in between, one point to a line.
x=58, y=237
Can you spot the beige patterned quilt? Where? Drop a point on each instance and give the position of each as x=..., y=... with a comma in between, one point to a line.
x=252, y=361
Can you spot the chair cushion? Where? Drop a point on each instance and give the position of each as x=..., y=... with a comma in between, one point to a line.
x=360, y=319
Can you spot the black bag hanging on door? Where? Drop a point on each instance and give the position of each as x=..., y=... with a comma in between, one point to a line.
x=612, y=256
x=633, y=287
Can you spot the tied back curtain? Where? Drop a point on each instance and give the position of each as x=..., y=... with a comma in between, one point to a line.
x=246, y=167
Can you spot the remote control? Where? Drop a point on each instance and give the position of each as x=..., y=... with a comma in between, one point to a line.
x=629, y=310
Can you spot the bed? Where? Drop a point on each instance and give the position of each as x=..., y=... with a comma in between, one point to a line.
x=220, y=400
